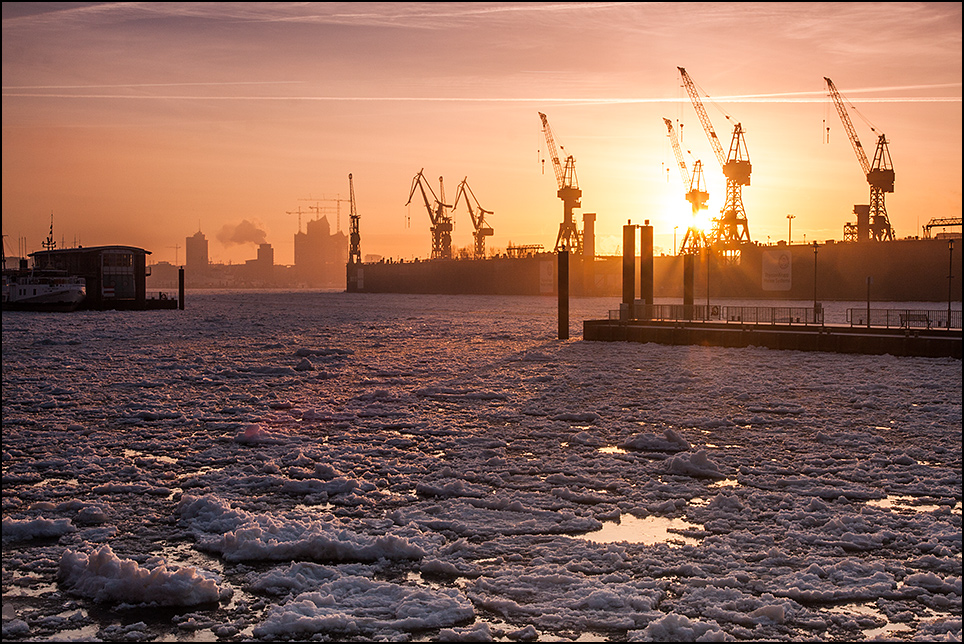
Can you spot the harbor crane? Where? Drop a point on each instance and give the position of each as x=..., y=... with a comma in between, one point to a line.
x=730, y=230
x=437, y=214
x=481, y=231
x=880, y=176
x=569, y=192
x=354, y=236
x=695, y=238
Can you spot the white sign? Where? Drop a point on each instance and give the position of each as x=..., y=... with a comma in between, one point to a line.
x=776, y=270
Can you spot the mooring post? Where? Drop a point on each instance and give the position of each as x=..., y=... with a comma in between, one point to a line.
x=646, y=269
x=563, y=289
x=180, y=288
x=689, y=279
x=629, y=272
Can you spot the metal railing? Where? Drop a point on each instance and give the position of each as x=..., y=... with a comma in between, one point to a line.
x=716, y=313
x=904, y=318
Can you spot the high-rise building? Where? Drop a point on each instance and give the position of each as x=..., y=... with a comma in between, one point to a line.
x=320, y=256
x=196, y=252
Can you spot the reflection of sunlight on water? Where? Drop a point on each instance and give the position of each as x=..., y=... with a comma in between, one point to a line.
x=724, y=483
x=612, y=450
x=133, y=453
x=904, y=503
x=648, y=531
x=871, y=611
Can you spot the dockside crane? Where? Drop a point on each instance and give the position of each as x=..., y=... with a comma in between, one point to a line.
x=880, y=176
x=354, y=236
x=569, y=236
x=437, y=214
x=695, y=238
x=730, y=230
x=481, y=230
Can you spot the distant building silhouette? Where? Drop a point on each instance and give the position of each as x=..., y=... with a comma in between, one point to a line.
x=196, y=252
x=320, y=256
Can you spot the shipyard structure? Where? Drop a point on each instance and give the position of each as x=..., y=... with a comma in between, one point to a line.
x=868, y=264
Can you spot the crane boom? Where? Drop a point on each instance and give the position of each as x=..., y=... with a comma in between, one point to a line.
x=848, y=125
x=684, y=173
x=481, y=231
x=551, y=144
x=704, y=118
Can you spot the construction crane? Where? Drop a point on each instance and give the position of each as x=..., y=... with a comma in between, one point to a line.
x=354, y=236
x=481, y=231
x=318, y=209
x=695, y=238
x=880, y=176
x=569, y=192
x=730, y=230
x=441, y=220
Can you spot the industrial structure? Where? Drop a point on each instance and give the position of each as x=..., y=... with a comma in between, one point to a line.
x=568, y=237
x=478, y=213
x=356, y=276
x=437, y=214
x=730, y=230
x=694, y=239
x=872, y=221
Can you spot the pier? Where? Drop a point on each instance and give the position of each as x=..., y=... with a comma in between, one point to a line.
x=908, y=341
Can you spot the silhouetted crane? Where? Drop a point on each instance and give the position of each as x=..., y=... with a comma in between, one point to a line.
x=354, y=236
x=880, y=176
x=441, y=221
x=481, y=231
x=695, y=238
x=731, y=228
x=569, y=192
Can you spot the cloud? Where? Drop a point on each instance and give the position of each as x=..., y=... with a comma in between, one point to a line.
x=244, y=232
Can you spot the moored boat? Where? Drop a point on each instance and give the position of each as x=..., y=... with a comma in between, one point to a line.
x=42, y=290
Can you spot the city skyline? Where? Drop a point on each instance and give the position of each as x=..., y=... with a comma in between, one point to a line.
x=143, y=123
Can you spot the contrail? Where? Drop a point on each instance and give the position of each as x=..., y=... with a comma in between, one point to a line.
x=455, y=99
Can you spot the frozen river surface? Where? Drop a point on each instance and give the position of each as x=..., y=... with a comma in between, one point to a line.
x=346, y=467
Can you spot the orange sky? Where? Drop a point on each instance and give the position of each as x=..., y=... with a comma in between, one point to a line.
x=138, y=123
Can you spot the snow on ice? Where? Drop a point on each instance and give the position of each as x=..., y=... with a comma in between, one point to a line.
x=339, y=467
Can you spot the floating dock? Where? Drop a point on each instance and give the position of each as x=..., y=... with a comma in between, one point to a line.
x=930, y=343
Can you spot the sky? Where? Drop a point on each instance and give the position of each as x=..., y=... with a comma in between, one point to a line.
x=142, y=123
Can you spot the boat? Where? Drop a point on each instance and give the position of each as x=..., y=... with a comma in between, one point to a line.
x=42, y=290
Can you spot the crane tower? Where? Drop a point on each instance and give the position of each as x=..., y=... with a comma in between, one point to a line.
x=569, y=192
x=730, y=230
x=354, y=238
x=481, y=230
x=437, y=214
x=880, y=176
x=695, y=238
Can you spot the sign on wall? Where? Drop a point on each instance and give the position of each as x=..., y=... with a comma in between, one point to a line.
x=776, y=270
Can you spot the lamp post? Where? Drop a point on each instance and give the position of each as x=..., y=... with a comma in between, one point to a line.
x=790, y=219
x=950, y=278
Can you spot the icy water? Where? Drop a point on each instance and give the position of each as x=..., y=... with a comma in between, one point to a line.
x=347, y=467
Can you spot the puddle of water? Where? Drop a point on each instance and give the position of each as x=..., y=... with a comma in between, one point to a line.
x=648, y=531
x=870, y=610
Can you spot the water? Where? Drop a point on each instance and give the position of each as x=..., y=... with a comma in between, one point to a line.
x=263, y=450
